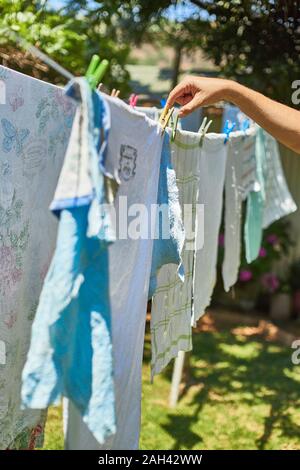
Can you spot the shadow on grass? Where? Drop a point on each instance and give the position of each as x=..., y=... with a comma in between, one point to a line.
x=263, y=372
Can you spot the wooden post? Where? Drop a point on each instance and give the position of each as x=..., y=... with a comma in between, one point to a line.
x=176, y=379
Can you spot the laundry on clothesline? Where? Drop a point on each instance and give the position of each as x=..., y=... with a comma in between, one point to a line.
x=35, y=125
x=104, y=177
x=71, y=347
x=239, y=183
x=267, y=195
x=131, y=265
x=172, y=309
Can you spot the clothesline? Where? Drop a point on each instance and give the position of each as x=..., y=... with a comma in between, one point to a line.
x=114, y=152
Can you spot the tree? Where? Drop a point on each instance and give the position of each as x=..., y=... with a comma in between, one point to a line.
x=254, y=41
x=69, y=37
x=257, y=42
x=176, y=35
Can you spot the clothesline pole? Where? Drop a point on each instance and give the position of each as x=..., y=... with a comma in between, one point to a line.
x=42, y=56
x=176, y=379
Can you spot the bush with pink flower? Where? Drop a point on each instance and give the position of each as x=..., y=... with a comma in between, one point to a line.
x=260, y=276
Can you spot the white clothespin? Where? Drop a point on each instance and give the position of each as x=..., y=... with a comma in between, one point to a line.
x=203, y=130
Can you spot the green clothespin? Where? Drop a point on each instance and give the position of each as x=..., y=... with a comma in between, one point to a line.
x=96, y=70
x=174, y=128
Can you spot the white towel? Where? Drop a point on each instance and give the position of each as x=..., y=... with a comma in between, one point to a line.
x=240, y=180
x=211, y=185
x=172, y=303
x=279, y=202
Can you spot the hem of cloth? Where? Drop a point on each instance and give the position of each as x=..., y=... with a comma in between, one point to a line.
x=202, y=310
x=184, y=345
x=271, y=220
x=69, y=203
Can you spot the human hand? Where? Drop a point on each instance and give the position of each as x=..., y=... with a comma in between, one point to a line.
x=194, y=92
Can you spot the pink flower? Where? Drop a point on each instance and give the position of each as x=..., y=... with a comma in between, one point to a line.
x=245, y=275
x=270, y=282
x=35, y=433
x=221, y=239
x=272, y=239
x=262, y=252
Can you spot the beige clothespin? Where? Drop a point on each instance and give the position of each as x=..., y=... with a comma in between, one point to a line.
x=115, y=93
x=165, y=117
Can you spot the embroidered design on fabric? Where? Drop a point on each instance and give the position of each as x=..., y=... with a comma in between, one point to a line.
x=34, y=157
x=51, y=109
x=13, y=136
x=127, y=162
x=12, y=246
x=10, y=319
x=16, y=99
x=6, y=186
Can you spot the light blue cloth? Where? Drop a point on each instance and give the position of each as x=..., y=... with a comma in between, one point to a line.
x=71, y=346
x=253, y=229
x=167, y=247
x=232, y=114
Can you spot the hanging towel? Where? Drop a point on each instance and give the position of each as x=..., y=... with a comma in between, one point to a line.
x=172, y=304
x=253, y=230
x=240, y=182
x=150, y=112
x=133, y=155
x=35, y=124
x=212, y=175
x=71, y=346
x=169, y=236
x=279, y=201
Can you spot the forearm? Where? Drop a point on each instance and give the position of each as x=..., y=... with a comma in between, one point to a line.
x=279, y=120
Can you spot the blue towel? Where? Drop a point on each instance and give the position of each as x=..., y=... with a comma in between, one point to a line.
x=169, y=241
x=71, y=346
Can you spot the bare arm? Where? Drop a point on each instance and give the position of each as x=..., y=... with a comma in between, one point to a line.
x=279, y=120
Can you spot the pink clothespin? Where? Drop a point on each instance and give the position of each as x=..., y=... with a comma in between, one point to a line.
x=133, y=100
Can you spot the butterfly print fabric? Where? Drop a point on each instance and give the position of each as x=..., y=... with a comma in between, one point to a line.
x=35, y=124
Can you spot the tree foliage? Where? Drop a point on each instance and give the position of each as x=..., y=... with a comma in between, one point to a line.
x=254, y=41
x=257, y=42
x=68, y=36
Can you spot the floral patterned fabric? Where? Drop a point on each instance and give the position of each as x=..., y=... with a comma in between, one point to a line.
x=35, y=124
x=29, y=438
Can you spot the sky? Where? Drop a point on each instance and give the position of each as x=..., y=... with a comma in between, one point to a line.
x=179, y=12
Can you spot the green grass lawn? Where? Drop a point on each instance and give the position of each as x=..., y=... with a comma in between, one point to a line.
x=241, y=393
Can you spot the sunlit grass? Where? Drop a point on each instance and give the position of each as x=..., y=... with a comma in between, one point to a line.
x=239, y=395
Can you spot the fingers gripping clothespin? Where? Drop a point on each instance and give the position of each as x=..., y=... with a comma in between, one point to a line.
x=203, y=130
x=165, y=117
x=228, y=128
